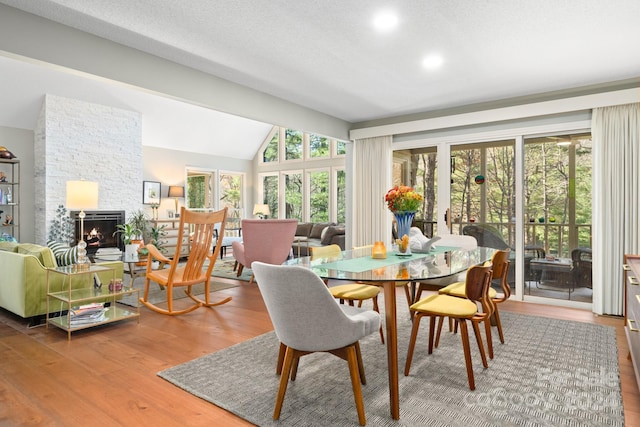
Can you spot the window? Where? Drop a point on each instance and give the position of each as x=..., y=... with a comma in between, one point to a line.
x=230, y=190
x=341, y=195
x=319, y=196
x=293, y=144
x=318, y=146
x=293, y=195
x=269, y=192
x=315, y=189
x=270, y=154
x=200, y=189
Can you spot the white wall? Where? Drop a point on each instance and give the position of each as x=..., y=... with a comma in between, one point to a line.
x=78, y=140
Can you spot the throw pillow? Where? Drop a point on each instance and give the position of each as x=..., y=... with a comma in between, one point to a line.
x=42, y=253
x=303, y=229
x=316, y=231
x=328, y=234
x=63, y=253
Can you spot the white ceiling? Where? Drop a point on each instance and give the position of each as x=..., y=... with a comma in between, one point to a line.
x=327, y=56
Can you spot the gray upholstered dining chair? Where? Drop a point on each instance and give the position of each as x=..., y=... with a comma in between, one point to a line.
x=307, y=319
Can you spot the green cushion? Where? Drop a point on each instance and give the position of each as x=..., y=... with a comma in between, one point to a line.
x=63, y=253
x=43, y=253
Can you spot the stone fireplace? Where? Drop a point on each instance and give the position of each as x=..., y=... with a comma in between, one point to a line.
x=77, y=140
x=99, y=229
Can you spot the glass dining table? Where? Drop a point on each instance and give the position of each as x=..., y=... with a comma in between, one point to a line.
x=358, y=265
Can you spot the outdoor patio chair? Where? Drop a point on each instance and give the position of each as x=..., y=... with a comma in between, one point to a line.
x=488, y=236
x=582, y=274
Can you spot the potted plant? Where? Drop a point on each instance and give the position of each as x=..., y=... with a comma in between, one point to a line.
x=128, y=233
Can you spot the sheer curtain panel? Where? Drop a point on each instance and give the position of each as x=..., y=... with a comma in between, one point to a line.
x=616, y=201
x=371, y=221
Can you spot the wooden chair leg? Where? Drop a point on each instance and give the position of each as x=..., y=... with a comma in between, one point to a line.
x=355, y=383
x=412, y=343
x=476, y=331
x=284, y=381
x=487, y=327
x=363, y=379
x=432, y=328
x=294, y=367
x=499, y=324
x=281, y=351
x=240, y=268
x=440, y=321
x=464, y=334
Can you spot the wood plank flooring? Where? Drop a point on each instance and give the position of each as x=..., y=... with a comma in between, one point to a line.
x=107, y=375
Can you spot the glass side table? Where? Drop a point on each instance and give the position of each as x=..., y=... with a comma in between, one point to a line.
x=74, y=296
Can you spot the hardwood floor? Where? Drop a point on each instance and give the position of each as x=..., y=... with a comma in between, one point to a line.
x=107, y=376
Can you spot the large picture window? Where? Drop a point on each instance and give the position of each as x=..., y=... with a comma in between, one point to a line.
x=315, y=189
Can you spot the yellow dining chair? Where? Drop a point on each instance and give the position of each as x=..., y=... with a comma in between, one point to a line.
x=349, y=292
x=500, y=263
x=477, y=285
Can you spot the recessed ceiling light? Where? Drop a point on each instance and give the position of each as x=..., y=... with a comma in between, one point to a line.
x=385, y=21
x=432, y=62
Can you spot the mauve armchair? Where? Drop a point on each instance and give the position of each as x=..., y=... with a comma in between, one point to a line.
x=265, y=240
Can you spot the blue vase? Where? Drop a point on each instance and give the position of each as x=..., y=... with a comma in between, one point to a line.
x=404, y=220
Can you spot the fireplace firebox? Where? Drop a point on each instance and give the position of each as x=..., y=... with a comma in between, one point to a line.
x=99, y=229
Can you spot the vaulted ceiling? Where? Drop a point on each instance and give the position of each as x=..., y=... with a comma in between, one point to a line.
x=327, y=55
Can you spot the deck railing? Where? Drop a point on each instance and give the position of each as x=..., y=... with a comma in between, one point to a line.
x=556, y=239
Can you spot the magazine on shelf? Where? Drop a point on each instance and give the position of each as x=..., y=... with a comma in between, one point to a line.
x=89, y=313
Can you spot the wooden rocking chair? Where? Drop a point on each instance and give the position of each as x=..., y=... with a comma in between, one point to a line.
x=201, y=237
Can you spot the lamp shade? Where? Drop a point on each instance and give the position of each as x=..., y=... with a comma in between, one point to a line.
x=176, y=191
x=82, y=195
x=259, y=209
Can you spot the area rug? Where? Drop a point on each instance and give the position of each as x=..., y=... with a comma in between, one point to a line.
x=224, y=268
x=548, y=373
x=158, y=295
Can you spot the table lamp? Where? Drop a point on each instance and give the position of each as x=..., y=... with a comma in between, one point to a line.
x=176, y=192
x=261, y=210
x=82, y=195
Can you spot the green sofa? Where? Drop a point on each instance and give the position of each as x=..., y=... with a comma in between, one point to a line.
x=23, y=283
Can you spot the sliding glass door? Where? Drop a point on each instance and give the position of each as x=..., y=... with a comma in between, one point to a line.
x=530, y=195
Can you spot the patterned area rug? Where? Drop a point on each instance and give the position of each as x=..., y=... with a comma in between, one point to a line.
x=548, y=373
x=224, y=268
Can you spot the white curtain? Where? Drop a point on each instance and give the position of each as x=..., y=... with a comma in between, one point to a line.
x=616, y=200
x=371, y=221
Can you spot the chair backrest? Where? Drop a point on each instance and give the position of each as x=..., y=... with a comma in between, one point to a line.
x=304, y=314
x=477, y=285
x=267, y=240
x=201, y=228
x=486, y=235
x=500, y=262
x=582, y=267
x=329, y=251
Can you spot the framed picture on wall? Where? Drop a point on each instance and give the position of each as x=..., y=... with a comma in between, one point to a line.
x=150, y=192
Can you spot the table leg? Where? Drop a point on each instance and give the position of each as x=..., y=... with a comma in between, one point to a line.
x=392, y=347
